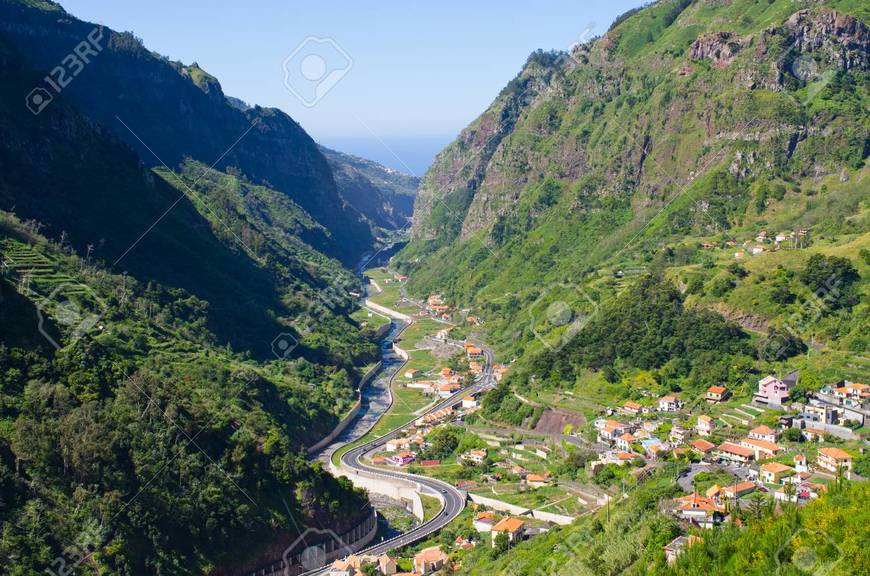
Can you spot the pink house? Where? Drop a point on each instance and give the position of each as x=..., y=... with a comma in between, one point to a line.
x=773, y=391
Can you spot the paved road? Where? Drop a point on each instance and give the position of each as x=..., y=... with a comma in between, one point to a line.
x=454, y=499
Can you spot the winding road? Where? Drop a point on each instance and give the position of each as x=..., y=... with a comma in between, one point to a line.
x=453, y=499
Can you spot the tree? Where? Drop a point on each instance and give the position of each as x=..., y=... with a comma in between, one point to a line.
x=831, y=279
x=502, y=543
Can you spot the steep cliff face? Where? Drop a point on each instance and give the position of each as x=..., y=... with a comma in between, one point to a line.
x=383, y=195
x=168, y=111
x=581, y=151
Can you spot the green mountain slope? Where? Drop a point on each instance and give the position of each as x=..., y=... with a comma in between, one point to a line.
x=171, y=453
x=630, y=536
x=671, y=130
x=167, y=111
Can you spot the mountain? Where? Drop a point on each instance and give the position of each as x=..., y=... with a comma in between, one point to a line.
x=383, y=195
x=174, y=336
x=672, y=141
x=184, y=113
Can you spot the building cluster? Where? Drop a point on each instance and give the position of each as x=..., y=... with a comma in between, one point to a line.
x=764, y=242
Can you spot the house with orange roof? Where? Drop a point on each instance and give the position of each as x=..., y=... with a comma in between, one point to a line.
x=699, y=510
x=762, y=448
x=511, y=526
x=536, y=480
x=833, y=460
x=763, y=433
x=717, y=393
x=411, y=373
x=702, y=447
x=855, y=392
x=484, y=521
x=609, y=430
x=429, y=561
x=813, y=434
x=632, y=408
x=625, y=441
x=474, y=353
x=446, y=372
x=705, y=425
x=738, y=490
x=734, y=453
x=774, y=472
x=469, y=402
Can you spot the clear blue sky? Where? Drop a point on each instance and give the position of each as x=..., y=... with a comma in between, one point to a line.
x=420, y=71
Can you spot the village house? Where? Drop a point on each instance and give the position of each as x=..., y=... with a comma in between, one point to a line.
x=411, y=373
x=851, y=394
x=774, y=472
x=763, y=433
x=379, y=461
x=773, y=391
x=717, y=393
x=475, y=368
x=625, y=441
x=434, y=300
x=402, y=458
x=473, y=352
x=678, y=434
x=513, y=527
x=675, y=547
x=446, y=372
x=499, y=370
x=833, y=460
x=429, y=560
x=699, y=510
x=609, y=430
x=397, y=444
x=761, y=448
x=800, y=463
x=536, y=480
x=469, y=402
x=446, y=390
x=475, y=457
x=353, y=565
x=670, y=403
x=484, y=521
x=738, y=490
x=705, y=425
x=703, y=447
x=734, y=453
x=632, y=408
x=813, y=434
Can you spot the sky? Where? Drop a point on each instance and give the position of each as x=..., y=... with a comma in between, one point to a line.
x=392, y=81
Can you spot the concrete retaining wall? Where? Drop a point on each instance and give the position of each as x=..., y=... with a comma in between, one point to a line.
x=520, y=511
x=323, y=443
x=395, y=488
x=333, y=547
x=499, y=505
x=559, y=519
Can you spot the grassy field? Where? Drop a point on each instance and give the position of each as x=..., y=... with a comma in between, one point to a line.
x=416, y=332
x=373, y=319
